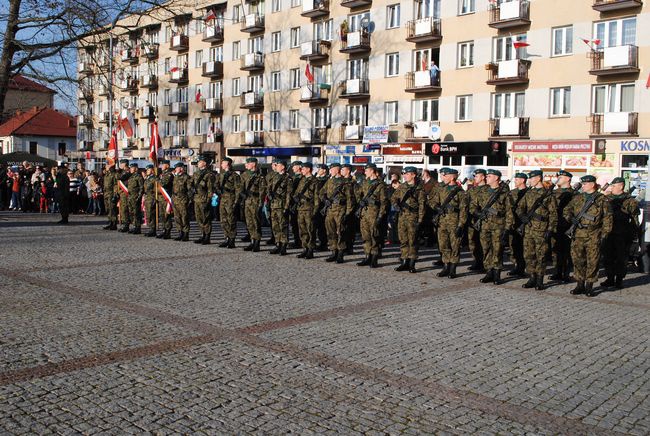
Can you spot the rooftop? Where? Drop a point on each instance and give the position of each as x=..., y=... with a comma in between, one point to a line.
x=22, y=83
x=40, y=122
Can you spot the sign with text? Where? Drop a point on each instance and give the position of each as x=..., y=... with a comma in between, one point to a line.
x=402, y=149
x=375, y=134
x=553, y=147
x=339, y=149
x=635, y=146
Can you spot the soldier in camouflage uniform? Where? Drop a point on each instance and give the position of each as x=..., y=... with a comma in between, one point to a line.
x=305, y=200
x=473, y=236
x=125, y=174
x=166, y=183
x=136, y=190
x=371, y=210
x=319, y=222
x=279, y=195
x=111, y=189
x=497, y=220
x=269, y=182
x=338, y=201
x=252, y=193
x=409, y=201
x=564, y=193
x=451, y=215
x=625, y=228
x=538, y=212
x=150, y=185
x=351, y=221
x=296, y=175
x=181, y=199
x=228, y=186
x=592, y=228
x=517, y=240
x=203, y=186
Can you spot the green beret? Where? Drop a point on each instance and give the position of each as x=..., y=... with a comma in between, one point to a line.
x=307, y=165
x=452, y=171
x=335, y=165
x=535, y=173
x=323, y=167
x=372, y=166
x=347, y=165
x=251, y=160
x=296, y=163
x=150, y=167
x=617, y=180
x=410, y=170
x=494, y=172
x=134, y=165
x=124, y=161
x=165, y=161
x=226, y=159
x=480, y=171
x=444, y=170
x=179, y=165
x=202, y=157
x=521, y=176
x=588, y=179
x=564, y=173
x=280, y=162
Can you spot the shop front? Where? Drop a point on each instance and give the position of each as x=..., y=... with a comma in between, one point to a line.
x=398, y=156
x=265, y=155
x=467, y=156
x=358, y=155
x=632, y=158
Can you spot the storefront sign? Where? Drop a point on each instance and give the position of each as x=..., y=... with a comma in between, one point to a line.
x=274, y=151
x=339, y=149
x=553, y=147
x=178, y=152
x=474, y=148
x=402, y=149
x=369, y=148
x=375, y=134
x=361, y=159
x=635, y=146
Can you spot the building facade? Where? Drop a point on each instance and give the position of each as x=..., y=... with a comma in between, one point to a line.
x=24, y=94
x=509, y=83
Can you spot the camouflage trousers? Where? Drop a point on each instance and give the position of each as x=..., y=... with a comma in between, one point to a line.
x=474, y=241
x=334, y=223
x=585, y=253
x=203, y=215
x=166, y=218
x=535, y=252
x=227, y=217
x=111, y=209
x=279, y=226
x=448, y=242
x=253, y=221
x=370, y=231
x=135, y=211
x=150, y=212
x=181, y=215
x=517, y=249
x=306, y=228
x=407, y=232
x=492, y=248
x=125, y=216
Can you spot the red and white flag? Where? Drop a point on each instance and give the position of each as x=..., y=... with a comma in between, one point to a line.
x=127, y=123
x=111, y=157
x=154, y=143
x=591, y=43
x=210, y=16
x=173, y=69
x=520, y=44
x=198, y=96
x=167, y=197
x=647, y=84
x=123, y=187
x=308, y=74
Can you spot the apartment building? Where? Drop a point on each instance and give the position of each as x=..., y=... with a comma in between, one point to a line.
x=509, y=83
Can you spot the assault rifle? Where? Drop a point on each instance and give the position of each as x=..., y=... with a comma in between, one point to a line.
x=402, y=203
x=327, y=203
x=297, y=199
x=445, y=207
x=575, y=222
x=488, y=209
x=365, y=201
x=532, y=213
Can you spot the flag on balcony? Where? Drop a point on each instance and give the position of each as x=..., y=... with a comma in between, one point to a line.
x=520, y=44
x=173, y=69
x=211, y=16
x=154, y=143
x=591, y=43
x=126, y=123
x=308, y=74
x=111, y=157
x=198, y=96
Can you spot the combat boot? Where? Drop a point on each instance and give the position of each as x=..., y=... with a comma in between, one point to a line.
x=124, y=229
x=438, y=262
x=113, y=226
x=609, y=282
x=256, y=245
x=558, y=274
x=200, y=240
x=475, y=266
x=540, y=283
x=179, y=237
x=231, y=243
x=249, y=247
x=489, y=276
x=589, y=290
x=283, y=249
x=137, y=231
x=130, y=232
x=275, y=250
x=579, y=289
x=186, y=237
x=517, y=272
x=339, y=257
x=224, y=244
x=108, y=227
x=332, y=257
x=271, y=241
x=161, y=235
x=445, y=271
x=373, y=261
x=411, y=264
x=151, y=233
x=206, y=239
x=403, y=265
x=452, y=271
x=532, y=281
x=365, y=261
x=302, y=254
x=619, y=282
x=496, y=277
x=310, y=254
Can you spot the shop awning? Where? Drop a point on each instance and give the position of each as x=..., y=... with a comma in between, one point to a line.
x=17, y=158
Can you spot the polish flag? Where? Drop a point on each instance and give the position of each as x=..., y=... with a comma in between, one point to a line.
x=154, y=143
x=111, y=157
x=127, y=123
x=520, y=44
x=198, y=96
x=211, y=16
x=173, y=69
x=308, y=74
x=647, y=84
x=591, y=43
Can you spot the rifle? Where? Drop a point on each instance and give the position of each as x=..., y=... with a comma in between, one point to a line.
x=575, y=222
x=366, y=199
x=532, y=213
x=488, y=209
x=402, y=203
x=271, y=193
x=441, y=210
x=244, y=193
x=222, y=188
x=328, y=203
x=297, y=199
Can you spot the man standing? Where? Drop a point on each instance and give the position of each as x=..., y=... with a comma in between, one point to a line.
x=270, y=176
x=409, y=202
x=625, y=228
x=351, y=221
x=372, y=208
x=492, y=207
x=538, y=212
x=111, y=195
x=449, y=204
x=203, y=184
x=150, y=184
x=517, y=240
x=252, y=193
x=63, y=185
x=473, y=236
x=319, y=222
x=564, y=193
x=337, y=197
x=279, y=195
x=166, y=184
x=591, y=215
x=123, y=190
x=228, y=186
x=306, y=202
x=136, y=188
x=180, y=199
x=296, y=175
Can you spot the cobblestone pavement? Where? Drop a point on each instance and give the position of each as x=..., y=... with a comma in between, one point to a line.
x=102, y=332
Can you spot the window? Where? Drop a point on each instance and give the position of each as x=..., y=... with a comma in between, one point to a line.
x=466, y=7
x=216, y=54
x=255, y=83
x=504, y=49
x=236, y=13
x=167, y=128
x=323, y=30
x=354, y=21
x=33, y=147
x=182, y=94
x=321, y=117
x=167, y=97
x=236, y=90
x=293, y=119
x=198, y=126
x=392, y=64
x=508, y=105
x=181, y=128
x=256, y=45
x=236, y=50
x=563, y=41
x=275, y=6
x=425, y=110
x=357, y=115
x=167, y=65
x=275, y=121
x=295, y=3
x=427, y=9
x=255, y=122
x=167, y=34
x=464, y=108
x=466, y=54
x=615, y=32
x=390, y=112
x=198, y=58
x=422, y=59
x=276, y=41
x=617, y=97
x=235, y=124
x=357, y=69
x=294, y=78
x=275, y=81
x=200, y=25
x=295, y=37
x=560, y=101
x=392, y=16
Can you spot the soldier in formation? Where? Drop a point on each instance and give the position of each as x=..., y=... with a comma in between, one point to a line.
x=338, y=203
x=110, y=190
x=165, y=189
x=181, y=193
x=516, y=238
x=135, y=191
x=409, y=202
x=150, y=203
x=371, y=210
x=203, y=188
x=251, y=195
x=564, y=193
x=123, y=192
x=228, y=186
x=279, y=195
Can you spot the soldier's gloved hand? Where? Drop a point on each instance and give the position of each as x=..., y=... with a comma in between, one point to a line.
x=459, y=232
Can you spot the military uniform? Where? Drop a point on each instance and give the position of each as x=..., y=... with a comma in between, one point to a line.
x=338, y=192
x=110, y=189
x=270, y=176
x=165, y=210
x=253, y=191
x=150, y=209
x=279, y=195
x=228, y=187
x=409, y=200
x=125, y=216
x=181, y=199
x=293, y=218
x=351, y=222
x=319, y=220
x=373, y=207
x=136, y=189
x=203, y=184
x=561, y=242
x=307, y=202
x=473, y=236
x=517, y=240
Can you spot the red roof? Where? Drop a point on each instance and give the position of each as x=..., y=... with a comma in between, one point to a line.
x=22, y=83
x=40, y=122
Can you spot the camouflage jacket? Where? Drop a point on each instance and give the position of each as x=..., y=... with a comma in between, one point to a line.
x=501, y=215
x=253, y=187
x=625, y=214
x=279, y=191
x=597, y=220
x=203, y=184
x=544, y=217
x=306, y=195
x=377, y=202
x=455, y=212
x=410, y=200
x=338, y=191
x=181, y=188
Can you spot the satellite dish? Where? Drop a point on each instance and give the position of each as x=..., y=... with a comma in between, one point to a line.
x=371, y=27
x=365, y=22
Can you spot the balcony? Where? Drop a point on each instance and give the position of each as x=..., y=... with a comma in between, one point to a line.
x=252, y=23
x=104, y=117
x=313, y=94
x=179, y=43
x=149, y=81
x=615, y=5
x=252, y=100
x=85, y=67
x=512, y=128
x=350, y=133
x=103, y=61
x=512, y=72
x=212, y=106
x=315, y=8
x=85, y=120
x=212, y=137
x=356, y=42
x=314, y=51
x=614, y=124
x=511, y=14
x=252, y=62
x=178, y=141
x=178, y=75
x=103, y=90
x=130, y=55
x=623, y=59
x=178, y=109
x=128, y=85
x=419, y=131
x=213, y=33
x=316, y=135
x=149, y=50
x=421, y=81
x=147, y=112
x=356, y=88
x=86, y=145
x=213, y=69
x=252, y=139
x=355, y=3
x=424, y=30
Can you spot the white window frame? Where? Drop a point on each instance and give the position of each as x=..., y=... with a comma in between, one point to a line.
x=468, y=48
x=321, y=117
x=294, y=78
x=425, y=110
x=612, y=97
x=503, y=48
x=198, y=126
x=564, y=36
x=426, y=9
x=357, y=69
x=276, y=81
x=236, y=13
x=466, y=7
x=276, y=5
x=356, y=115
x=508, y=105
x=391, y=113
x=296, y=3
x=564, y=105
x=294, y=119
x=198, y=58
x=236, y=87
x=392, y=64
x=354, y=21
x=275, y=124
x=276, y=41
x=255, y=122
x=236, y=50
x=393, y=16
x=294, y=40
x=615, y=40
x=464, y=102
